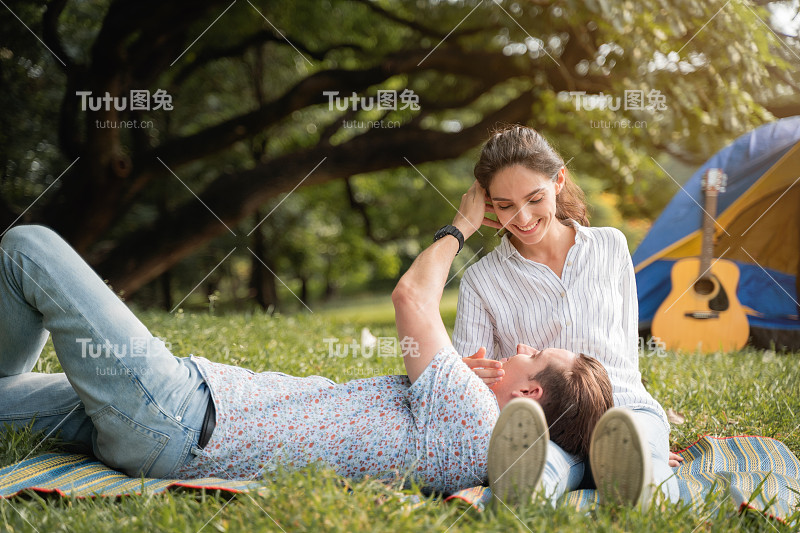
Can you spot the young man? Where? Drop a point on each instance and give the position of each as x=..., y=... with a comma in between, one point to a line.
x=145, y=412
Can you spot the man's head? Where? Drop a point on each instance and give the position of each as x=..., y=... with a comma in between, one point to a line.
x=573, y=390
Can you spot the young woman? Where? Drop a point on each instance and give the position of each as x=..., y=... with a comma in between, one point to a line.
x=554, y=281
x=143, y=411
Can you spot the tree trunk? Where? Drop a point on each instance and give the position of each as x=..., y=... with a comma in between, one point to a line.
x=330, y=284
x=262, y=280
x=165, y=282
x=304, y=290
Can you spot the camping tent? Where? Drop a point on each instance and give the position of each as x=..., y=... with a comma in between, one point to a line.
x=759, y=215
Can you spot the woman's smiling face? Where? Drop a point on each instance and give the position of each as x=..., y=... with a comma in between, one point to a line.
x=525, y=201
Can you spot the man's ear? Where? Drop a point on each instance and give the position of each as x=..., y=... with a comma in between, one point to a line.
x=534, y=391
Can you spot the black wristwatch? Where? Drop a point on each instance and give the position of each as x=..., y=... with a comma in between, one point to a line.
x=450, y=230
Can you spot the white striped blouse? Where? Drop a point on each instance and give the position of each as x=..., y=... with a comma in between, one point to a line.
x=505, y=299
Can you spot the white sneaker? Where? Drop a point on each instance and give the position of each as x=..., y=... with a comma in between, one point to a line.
x=619, y=456
x=518, y=451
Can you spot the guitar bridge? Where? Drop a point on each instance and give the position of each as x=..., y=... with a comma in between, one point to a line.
x=702, y=315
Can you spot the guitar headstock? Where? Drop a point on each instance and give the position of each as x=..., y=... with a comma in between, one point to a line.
x=714, y=181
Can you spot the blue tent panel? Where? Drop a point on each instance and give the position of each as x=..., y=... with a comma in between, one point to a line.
x=744, y=161
x=770, y=292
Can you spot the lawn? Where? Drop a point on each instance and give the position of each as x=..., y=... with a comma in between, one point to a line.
x=752, y=392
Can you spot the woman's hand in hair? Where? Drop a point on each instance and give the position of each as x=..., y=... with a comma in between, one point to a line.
x=472, y=211
x=489, y=370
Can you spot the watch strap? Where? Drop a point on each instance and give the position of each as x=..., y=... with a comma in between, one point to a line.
x=450, y=230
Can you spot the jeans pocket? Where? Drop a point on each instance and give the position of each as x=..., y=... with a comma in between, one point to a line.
x=185, y=464
x=125, y=444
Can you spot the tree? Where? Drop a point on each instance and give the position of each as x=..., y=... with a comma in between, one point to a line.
x=242, y=74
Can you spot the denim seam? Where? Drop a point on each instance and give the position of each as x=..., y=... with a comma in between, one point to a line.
x=41, y=414
x=184, y=405
x=191, y=436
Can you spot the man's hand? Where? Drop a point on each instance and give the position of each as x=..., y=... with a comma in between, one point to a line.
x=489, y=370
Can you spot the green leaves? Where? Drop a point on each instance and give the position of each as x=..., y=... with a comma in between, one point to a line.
x=713, y=66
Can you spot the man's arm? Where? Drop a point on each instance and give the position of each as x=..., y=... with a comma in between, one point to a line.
x=417, y=295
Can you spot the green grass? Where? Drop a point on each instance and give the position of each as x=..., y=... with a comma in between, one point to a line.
x=751, y=392
x=378, y=309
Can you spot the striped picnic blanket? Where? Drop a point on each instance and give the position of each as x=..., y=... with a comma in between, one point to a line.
x=82, y=476
x=756, y=473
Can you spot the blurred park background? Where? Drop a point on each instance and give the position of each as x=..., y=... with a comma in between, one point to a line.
x=247, y=180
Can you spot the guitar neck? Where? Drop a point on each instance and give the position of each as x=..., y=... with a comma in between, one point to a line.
x=707, y=249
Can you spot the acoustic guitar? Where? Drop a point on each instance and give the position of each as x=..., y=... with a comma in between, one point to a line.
x=702, y=311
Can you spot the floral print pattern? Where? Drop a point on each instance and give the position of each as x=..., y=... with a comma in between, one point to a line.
x=435, y=431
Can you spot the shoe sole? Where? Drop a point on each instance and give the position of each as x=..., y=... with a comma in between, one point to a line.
x=517, y=452
x=619, y=456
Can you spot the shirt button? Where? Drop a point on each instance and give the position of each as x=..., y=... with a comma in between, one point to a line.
x=568, y=324
x=178, y=418
x=563, y=294
x=569, y=263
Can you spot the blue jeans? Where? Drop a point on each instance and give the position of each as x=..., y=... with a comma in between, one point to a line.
x=564, y=471
x=122, y=395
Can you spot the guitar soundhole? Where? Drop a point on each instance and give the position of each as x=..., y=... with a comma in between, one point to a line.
x=704, y=286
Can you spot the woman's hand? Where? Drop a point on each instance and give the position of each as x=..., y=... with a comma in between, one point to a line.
x=489, y=370
x=674, y=459
x=472, y=211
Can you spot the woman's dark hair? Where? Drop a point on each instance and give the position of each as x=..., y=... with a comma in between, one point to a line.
x=573, y=400
x=514, y=144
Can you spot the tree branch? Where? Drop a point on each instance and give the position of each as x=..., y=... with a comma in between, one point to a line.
x=489, y=67
x=331, y=129
x=419, y=28
x=360, y=208
x=50, y=32
x=146, y=253
x=481, y=88
x=158, y=39
x=424, y=30
x=782, y=110
x=783, y=76
x=264, y=36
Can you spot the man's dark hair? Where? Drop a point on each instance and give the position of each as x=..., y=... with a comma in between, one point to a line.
x=573, y=400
